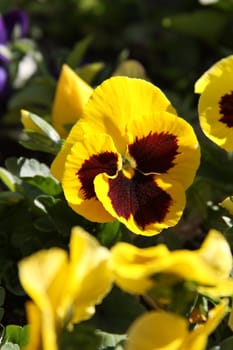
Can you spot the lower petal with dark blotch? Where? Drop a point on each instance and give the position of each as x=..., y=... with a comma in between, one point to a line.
x=146, y=204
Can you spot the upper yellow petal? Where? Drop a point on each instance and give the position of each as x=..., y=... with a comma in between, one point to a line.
x=71, y=95
x=111, y=107
x=213, y=73
x=117, y=101
x=186, y=161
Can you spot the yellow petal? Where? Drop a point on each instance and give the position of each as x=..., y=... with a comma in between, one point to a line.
x=34, y=321
x=213, y=73
x=42, y=331
x=134, y=267
x=157, y=331
x=117, y=101
x=112, y=105
x=37, y=273
x=227, y=204
x=197, y=339
x=213, y=86
x=187, y=159
x=130, y=196
x=160, y=330
x=76, y=191
x=72, y=94
x=89, y=278
x=216, y=251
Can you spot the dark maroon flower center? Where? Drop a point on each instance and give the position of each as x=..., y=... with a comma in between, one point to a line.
x=155, y=153
x=98, y=163
x=226, y=109
x=140, y=197
x=138, y=194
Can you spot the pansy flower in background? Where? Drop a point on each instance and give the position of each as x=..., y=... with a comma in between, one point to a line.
x=72, y=93
x=141, y=270
x=64, y=288
x=215, y=105
x=129, y=157
x=13, y=25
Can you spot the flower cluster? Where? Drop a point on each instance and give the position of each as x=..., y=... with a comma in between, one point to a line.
x=128, y=157
x=64, y=289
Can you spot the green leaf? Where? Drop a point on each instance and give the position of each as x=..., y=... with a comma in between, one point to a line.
x=2, y=295
x=48, y=185
x=45, y=128
x=37, y=142
x=10, y=346
x=197, y=24
x=17, y=335
x=227, y=344
x=110, y=339
x=39, y=92
x=117, y=311
x=77, y=54
x=27, y=167
x=109, y=233
x=83, y=336
x=10, y=197
x=32, y=167
x=89, y=71
x=8, y=179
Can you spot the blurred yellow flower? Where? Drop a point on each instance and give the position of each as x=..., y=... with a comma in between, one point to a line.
x=215, y=105
x=135, y=269
x=64, y=289
x=161, y=330
x=72, y=93
x=227, y=203
x=130, y=158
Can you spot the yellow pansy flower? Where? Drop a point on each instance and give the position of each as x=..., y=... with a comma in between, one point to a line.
x=215, y=105
x=130, y=158
x=64, y=289
x=72, y=93
x=161, y=330
x=135, y=269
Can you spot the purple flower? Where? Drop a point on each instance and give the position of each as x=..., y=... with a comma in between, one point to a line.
x=8, y=23
x=3, y=80
x=12, y=24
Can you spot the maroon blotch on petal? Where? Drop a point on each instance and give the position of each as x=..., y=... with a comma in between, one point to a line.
x=226, y=109
x=99, y=163
x=155, y=153
x=139, y=196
